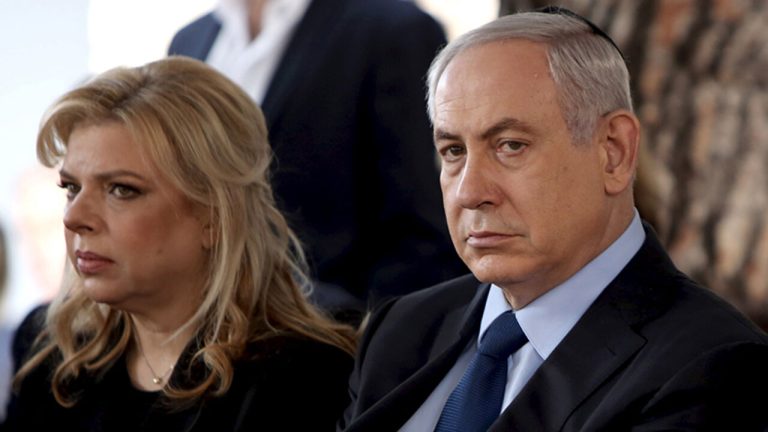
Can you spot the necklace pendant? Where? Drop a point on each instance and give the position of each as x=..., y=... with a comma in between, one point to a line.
x=157, y=380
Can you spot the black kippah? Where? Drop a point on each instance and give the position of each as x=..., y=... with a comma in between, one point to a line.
x=558, y=10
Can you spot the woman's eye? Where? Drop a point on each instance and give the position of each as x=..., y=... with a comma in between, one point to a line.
x=71, y=188
x=124, y=191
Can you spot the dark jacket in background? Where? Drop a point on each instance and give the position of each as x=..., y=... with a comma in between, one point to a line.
x=355, y=169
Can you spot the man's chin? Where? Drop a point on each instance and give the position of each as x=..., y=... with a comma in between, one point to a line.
x=501, y=270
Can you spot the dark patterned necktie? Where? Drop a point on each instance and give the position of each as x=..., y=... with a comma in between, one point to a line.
x=476, y=401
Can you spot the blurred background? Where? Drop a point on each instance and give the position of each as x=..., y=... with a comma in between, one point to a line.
x=700, y=71
x=48, y=47
x=700, y=88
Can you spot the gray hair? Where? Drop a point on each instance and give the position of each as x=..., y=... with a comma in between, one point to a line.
x=589, y=72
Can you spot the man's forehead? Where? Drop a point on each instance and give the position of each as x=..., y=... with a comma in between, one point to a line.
x=511, y=53
x=492, y=66
x=512, y=75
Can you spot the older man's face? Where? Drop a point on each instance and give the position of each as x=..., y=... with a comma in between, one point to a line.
x=526, y=207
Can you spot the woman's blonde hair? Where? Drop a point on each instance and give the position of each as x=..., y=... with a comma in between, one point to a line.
x=210, y=140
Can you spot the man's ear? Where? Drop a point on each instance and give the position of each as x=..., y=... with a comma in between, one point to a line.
x=619, y=140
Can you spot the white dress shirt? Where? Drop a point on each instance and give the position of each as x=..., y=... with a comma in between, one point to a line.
x=251, y=63
x=545, y=322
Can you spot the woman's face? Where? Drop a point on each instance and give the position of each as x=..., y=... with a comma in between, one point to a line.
x=135, y=241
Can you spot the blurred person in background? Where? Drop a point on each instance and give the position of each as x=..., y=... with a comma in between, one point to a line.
x=184, y=303
x=341, y=85
x=5, y=330
x=37, y=219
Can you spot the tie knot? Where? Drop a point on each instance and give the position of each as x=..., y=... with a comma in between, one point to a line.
x=503, y=337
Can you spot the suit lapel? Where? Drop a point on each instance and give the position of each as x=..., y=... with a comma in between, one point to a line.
x=205, y=33
x=460, y=327
x=600, y=344
x=207, y=39
x=304, y=52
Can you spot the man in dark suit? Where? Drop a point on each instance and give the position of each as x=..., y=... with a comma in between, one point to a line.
x=533, y=121
x=355, y=170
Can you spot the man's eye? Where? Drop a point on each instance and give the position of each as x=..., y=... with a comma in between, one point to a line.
x=451, y=153
x=512, y=146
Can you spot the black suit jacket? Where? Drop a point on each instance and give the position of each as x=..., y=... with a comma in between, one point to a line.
x=655, y=351
x=285, y=383
x=355, y=169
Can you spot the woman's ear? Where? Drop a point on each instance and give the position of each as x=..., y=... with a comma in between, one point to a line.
x=619, y=138
x=209, y=234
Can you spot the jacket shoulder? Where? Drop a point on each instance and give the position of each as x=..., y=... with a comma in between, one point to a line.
x=413, y=319
x=191, y=34
x=434, y=300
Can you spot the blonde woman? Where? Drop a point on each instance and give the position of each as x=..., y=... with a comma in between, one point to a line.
x=184, y=307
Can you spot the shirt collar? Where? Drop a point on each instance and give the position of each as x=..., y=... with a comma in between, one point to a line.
x=233, y=15
x=547, y=319
x=234, y=19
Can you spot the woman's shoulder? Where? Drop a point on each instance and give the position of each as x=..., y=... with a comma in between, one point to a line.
x=292, y=361
x=286, y=371
x=290, y=349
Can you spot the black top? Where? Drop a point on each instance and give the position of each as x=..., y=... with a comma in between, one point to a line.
x=285, y=383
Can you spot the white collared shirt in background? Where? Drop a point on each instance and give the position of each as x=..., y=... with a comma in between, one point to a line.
x=251, y=63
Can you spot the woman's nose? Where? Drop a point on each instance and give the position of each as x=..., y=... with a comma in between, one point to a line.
x=81, y=214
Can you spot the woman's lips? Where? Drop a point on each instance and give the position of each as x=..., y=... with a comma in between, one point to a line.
x=90, y=263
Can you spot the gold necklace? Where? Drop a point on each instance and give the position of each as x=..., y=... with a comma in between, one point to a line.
x=157, y=379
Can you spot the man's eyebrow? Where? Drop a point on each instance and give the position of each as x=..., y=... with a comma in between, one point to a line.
x=441, y=134
x=500, y=126
x=505, y=124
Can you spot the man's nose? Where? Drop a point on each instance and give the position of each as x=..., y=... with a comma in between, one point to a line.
x=476, y=185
